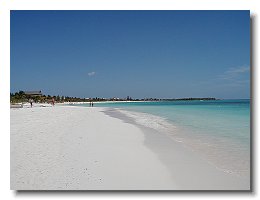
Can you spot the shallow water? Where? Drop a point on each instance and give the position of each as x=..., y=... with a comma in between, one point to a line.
x=219, y=130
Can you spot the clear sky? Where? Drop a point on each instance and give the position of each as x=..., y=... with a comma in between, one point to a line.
x=163, y=54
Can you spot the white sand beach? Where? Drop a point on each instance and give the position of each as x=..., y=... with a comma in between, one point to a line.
x=83, y=148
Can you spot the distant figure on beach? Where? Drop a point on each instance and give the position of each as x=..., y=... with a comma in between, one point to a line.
x=92, y=104
x=31, y=102
x=53, y=101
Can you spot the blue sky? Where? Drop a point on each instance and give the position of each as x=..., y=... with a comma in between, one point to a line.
x=163, y=54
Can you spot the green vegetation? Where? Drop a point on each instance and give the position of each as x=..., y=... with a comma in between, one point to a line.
x=18, y=97
x=22, y=97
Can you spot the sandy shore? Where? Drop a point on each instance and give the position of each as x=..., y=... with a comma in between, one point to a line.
x=82, y=148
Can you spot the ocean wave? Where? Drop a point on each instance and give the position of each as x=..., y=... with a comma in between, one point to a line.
x=224, y=153
x=149, y=120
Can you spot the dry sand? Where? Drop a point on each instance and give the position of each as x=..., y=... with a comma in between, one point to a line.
x=81, y=148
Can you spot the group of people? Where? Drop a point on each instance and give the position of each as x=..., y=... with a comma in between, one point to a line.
x=91, y=104
x=52, y=102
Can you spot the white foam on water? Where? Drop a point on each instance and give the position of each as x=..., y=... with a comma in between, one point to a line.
x=149, y=120
x=223, y=153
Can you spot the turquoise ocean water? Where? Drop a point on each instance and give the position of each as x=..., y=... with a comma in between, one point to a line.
x=219, y=130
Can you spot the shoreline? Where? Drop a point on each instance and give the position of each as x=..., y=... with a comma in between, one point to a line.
x=179, y=158
x=211, y=147
x=71, y=148
x=81, y=148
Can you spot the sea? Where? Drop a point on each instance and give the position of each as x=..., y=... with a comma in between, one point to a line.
x=217, y=130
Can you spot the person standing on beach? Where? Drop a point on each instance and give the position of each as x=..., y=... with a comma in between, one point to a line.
x=92, y=104
x=31, y=102
x=53, y=101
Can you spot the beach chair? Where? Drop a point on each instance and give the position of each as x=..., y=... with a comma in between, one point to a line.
x=16, y=105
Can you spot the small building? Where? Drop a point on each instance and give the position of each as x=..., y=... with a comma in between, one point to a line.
x=33, y=93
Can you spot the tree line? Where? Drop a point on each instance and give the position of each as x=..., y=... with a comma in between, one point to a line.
x=21, y=97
